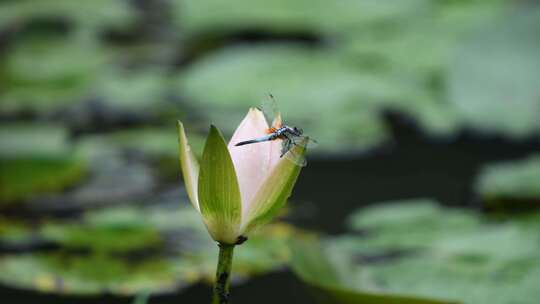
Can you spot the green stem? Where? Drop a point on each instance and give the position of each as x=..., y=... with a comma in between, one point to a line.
x=223, y=274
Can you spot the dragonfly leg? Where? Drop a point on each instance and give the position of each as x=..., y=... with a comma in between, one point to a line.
x=286, y=145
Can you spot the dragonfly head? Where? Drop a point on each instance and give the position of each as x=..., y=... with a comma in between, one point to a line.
x=298, y=131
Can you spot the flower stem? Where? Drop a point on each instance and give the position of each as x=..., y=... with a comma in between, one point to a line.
x=223, y=274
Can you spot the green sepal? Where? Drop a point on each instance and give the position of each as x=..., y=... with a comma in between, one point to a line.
x=219, y=193
x=274, y=192
x=188, y=165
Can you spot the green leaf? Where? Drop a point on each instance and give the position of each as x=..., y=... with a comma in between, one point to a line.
x=421, y=249
x=311, y=264
x=424, y=219
x=219, y=193
x=36, y=159
x=189, y=166
x=312, y=16
x=93, y=17
x=493, y=82
x=223, y=85
x=513, y=185
x=22, y=179
x=179, y=263
x=34, y=140
x=274, y=192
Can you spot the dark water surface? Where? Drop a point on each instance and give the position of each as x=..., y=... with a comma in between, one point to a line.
x=329, y=190
x=411, y=167
x=280, y=287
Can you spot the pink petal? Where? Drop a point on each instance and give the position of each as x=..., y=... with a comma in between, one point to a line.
x=253, y=162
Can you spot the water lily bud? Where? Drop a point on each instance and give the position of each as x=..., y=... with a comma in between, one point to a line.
x=238, y=189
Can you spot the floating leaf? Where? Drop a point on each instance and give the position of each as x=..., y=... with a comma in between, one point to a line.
x=511, y=185
x=361, y=72
x=103, y=237
x=311, y=265
x=44, y=75
x=419, y=249
x=94, y=16
x=147, y=96
x=22, y=179
x=93, y=274
x=285, y=16
x=496, y=91
x=126, y=250
x=33, y=141
x=237, y=78
x=36, y=159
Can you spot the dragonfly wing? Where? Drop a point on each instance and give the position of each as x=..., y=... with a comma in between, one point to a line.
x=288, y=152
x=286, y=146
x=296, y=158
x=271, y=112
x=305, y=141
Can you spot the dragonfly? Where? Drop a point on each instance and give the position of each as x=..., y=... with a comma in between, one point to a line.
x=290, y=136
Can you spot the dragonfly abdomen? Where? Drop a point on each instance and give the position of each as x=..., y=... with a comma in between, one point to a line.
x=275, y=134
x=257, y=140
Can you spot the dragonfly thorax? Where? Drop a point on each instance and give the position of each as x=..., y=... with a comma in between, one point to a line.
x=286, y=130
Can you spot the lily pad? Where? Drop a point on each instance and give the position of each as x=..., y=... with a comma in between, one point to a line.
x=305, y=83
x=146, y=97
x=156, y=145
x=93, y=274
x=22, y=179
x=316, y=17
x=511, y=185
x=311, y=263
x=383, y=56
x=44, y=75
x=113, y=178
x=16, y=234
x=93, y=16
x=421, y=44
x=126, y=250
x=352, y=81
x=496, y=91
x=36, y=160
x=33, y=140
x=105, y=234
x=425, y=221
x=420, y=48
x=151, y=141
x=419, y=249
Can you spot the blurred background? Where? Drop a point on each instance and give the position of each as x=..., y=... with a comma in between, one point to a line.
x=424, y=184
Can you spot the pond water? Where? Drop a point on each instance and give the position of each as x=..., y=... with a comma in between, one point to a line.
x=413, y=166
x=328, y=190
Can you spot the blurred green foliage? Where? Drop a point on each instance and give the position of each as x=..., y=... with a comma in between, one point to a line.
x=22, y=179
x=495, y=91
x=511, y=185
x=319, y=17
x=36, y=159
x=417, y=57
x=308, y=82
x=311, y=263
x=408, y=57
x=125, y=250
x=92, y=90
x=89, y=16
x=417, y=248
x=44, y=74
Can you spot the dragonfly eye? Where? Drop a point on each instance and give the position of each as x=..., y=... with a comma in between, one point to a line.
x=298, y=131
